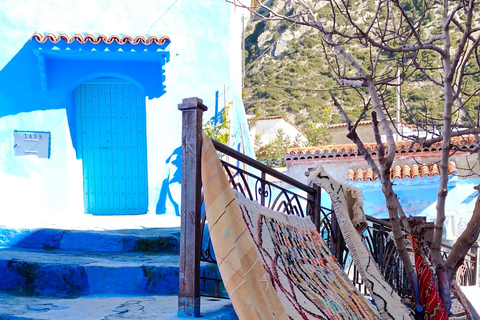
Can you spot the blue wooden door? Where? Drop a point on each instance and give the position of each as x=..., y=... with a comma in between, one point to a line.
x=112, y=137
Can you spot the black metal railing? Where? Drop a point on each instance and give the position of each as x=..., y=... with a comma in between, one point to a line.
x=467, y=273
x=271, y=189
x=279, y=192
x=275, y=190
x=378, y=239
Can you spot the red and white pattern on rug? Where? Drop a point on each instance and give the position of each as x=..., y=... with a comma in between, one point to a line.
x=432, y=304
x=308, y=280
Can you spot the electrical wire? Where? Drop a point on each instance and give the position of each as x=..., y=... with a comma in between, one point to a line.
x=168, y=9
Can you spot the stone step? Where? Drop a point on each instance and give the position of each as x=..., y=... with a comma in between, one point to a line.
x=158, y=240
x=32, y=272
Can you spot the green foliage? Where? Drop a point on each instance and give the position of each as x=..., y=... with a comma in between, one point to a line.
x=219, y=131
x=295, y=82
x=310, y=42
x=407, y=5
x=269, y=25
x=317, y=135
x=271, y=154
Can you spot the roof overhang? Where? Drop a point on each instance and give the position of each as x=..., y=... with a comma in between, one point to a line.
x=140, y=58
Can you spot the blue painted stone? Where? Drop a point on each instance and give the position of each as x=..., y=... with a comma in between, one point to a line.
x=40, y=239
x=96, y=242
x=74, y=263
x=111, y=280
x=31, y=278
x=156, y=240
x=162, y=280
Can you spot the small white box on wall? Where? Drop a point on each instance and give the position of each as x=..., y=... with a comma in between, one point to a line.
x=36, y=143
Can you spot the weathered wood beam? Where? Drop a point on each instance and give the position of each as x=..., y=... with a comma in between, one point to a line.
x=190, y=233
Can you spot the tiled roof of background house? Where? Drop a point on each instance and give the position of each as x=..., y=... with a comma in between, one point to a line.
x=339, y=125
x=269, y=118
x=96, y=38
x=363, y=123
x=401, y=172
x=351, y=150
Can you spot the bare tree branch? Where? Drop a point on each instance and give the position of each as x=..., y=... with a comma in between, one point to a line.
x=395, y=35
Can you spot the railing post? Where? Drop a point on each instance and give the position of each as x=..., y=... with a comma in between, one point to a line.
x=474, y=250
x=317, y=205
x=190, y=233
x=338, y=245
x=316, y=198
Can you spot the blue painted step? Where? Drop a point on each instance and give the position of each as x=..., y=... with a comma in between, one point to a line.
x=158, y=240
x=66, y=263
x=63, y=274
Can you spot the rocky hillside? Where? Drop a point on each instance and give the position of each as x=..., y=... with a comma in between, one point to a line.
x=286, y=74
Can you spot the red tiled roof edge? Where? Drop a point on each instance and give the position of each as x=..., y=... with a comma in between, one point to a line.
x=351, y=150
x=269, y=118
x=363, y=123
x=95, y=39
x=401, y=172
x=339, y=125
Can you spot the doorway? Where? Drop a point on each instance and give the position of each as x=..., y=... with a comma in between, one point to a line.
x=111, y=133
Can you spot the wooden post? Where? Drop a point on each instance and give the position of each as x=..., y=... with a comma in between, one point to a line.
x=338, y=245
x=316, y=198
x=190, y=233
x=317, y=205
x=474, y=250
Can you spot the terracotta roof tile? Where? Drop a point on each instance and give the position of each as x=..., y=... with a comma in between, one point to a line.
x=339, y=125
x=406, y=171
x=424, y=170
x=370, y=175
x=269, y=118
x=98, y=38
x=401, y=172
x=345, y=150
x=414, y=172
x=363, y=123
x=452, y=167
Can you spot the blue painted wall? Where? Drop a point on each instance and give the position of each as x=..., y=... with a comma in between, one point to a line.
x=418, y=197
x=415, y=195
x=204, y=58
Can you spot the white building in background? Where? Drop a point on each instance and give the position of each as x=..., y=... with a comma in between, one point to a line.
x=267, y=129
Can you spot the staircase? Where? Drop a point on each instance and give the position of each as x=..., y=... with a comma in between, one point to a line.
x=67, y=264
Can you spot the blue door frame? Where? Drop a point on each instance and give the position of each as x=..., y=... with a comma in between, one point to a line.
x=112, y=137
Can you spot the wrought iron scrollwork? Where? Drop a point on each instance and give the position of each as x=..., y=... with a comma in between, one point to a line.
x=255, y=182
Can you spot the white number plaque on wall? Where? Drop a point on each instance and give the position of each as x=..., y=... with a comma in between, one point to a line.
x=35, y=143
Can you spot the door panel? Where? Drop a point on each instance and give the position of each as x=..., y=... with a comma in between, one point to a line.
x=113, y=143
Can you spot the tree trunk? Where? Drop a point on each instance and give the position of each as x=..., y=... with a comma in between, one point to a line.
x=465, y=241
x=444, y=280
x=391, y=199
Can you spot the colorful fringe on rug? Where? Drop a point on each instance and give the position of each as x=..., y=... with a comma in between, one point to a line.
x=347, y=204
x=273, y=266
